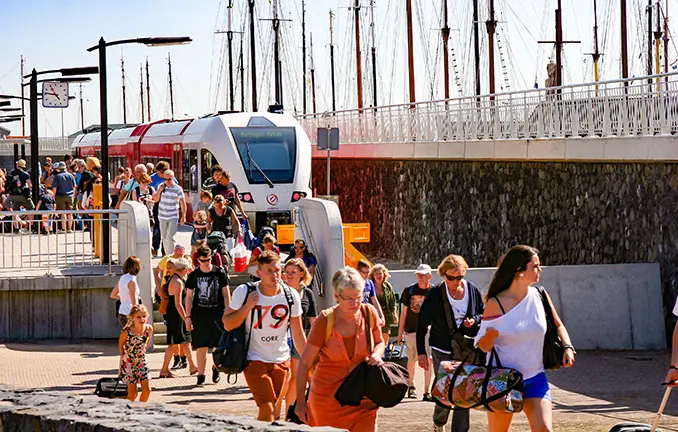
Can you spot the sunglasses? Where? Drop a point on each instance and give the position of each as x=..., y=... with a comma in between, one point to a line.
x=454, y=278
x=300, y=247
x=204, y=259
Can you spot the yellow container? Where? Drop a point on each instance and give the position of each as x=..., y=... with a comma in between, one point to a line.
x=285, y=234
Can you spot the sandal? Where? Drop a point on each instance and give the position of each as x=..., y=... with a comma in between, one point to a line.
x=412, y=392
x=193, y=371
x=166, y=375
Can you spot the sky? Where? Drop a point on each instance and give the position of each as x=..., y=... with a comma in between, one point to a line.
x=56, y=34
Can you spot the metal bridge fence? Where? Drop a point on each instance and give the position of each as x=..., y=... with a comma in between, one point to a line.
x=646, y=106
x=47, y=240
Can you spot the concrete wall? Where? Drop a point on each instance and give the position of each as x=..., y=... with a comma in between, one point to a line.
x=615, y=307
x=575, y=213
x=324, y=221
x=61, y=307
x=629, y=148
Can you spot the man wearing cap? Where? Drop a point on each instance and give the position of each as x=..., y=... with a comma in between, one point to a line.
x=63, y=185
x=411, y=300
x=18, y=187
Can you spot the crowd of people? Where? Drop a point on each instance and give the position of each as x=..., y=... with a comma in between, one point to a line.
x=299, y=356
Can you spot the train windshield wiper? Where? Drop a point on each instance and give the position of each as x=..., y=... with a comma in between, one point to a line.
x=251, y=161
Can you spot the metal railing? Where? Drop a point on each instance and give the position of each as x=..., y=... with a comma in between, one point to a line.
x=48, y=145
x=300, y=220
x=51, y=240
x=607, y=109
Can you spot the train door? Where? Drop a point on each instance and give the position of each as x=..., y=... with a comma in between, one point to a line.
x=190, y=175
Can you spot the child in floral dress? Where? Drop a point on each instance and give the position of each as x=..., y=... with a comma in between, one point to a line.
x=133, y=343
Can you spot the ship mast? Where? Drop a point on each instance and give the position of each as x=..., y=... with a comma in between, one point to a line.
x=124, y=92
x=171, y=91
x=666, y=40
x=23, y=114
x=358, y=59
x=148, y=90
x=410, y=50
x=334, y=94
x=141, y=92
x=253, y=57
x=491, y=25
x=624, y=43
x=312, y=77
x=374, y=55
x=303, y=56
x=650, y=44
x=476, y=44
x=229, y=37
x=658, y=41
x=276, y=55
x=445, y=33
x=596, y=46
x=242, y=78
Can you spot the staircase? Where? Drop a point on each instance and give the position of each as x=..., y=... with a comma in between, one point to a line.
x=159, y=329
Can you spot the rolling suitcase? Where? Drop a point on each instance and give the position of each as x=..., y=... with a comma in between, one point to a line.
x=641, y=427
x=111, y=388
x=395, y=352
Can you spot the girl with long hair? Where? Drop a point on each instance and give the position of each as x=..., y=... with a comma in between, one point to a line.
x=133, y=342
x=514, y=324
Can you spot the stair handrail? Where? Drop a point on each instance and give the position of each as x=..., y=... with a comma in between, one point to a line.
x=300, y=219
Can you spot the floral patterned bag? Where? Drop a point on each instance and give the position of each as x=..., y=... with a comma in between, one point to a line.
x=484, y=387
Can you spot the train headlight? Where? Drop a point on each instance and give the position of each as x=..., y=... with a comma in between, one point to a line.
x=296, y=196
x=246, y=197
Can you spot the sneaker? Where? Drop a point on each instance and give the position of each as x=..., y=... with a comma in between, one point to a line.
x=154, y=253
x=412, y=392
x=438, y=428
x=427, y=397
x=201, y=380
x=184, y=363
x=215, y=375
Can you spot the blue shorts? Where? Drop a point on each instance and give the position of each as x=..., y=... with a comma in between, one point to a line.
x=293, y=351
x=536, y=387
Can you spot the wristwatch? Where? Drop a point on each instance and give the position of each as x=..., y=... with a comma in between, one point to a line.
x=570, y=347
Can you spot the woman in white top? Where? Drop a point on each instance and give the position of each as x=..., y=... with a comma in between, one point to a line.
x=127, y=288
x=514, y=324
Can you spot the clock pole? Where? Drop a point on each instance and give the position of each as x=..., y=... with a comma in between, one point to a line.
x=35, y=143
x=103, y=99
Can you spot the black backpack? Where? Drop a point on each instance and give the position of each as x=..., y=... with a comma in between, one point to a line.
x=216, y=240
x=14, y=186
x=230, y=356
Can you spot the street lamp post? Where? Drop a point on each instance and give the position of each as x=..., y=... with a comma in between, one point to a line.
x=103, y=108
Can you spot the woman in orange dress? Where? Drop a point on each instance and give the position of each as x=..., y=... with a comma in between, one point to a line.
x=339, y=340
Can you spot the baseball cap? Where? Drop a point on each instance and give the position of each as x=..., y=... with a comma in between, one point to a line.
x=21, y=163
x=60, y=166
x=423, y=269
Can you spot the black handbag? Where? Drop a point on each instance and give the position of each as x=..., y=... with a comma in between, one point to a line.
x=462, y=345
x=230, y=356
x=553, y=346
x=111, y=388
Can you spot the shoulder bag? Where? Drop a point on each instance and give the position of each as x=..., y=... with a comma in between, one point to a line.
x=553, y=346
x=462, y=345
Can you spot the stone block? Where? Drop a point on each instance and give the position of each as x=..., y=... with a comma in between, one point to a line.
x=35, y=411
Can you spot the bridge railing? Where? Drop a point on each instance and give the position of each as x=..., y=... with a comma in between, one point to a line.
x=643, y=106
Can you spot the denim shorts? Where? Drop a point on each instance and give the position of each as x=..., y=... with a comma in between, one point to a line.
x=536, y=387
x=290, y=343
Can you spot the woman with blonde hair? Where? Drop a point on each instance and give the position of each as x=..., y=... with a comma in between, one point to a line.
x=385, y=296
x=339, y=339
x=298, y=277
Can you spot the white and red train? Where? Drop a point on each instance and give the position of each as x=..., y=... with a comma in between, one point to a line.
x=268, y=155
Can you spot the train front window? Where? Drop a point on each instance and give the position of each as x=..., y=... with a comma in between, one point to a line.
x=267, y=152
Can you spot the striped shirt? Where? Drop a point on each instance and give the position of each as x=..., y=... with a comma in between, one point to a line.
x=168, y=206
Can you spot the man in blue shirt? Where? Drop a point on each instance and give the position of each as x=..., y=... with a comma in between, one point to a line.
x=63, y=185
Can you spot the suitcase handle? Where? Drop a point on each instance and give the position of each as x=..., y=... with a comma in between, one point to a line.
x=655, y=423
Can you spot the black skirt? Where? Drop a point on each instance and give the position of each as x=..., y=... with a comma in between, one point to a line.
x=176, y=328
x=207, y=327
